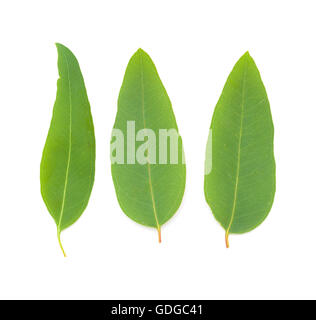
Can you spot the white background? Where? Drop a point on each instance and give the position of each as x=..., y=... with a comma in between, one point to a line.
x=194, y=45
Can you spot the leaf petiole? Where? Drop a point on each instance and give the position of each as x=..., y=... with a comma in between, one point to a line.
x=61, y=246
x=159, y=234
x=226, y=239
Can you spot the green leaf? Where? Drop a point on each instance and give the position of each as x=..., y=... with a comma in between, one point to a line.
x=68, y=161
x=149, y=191
x=240, y=186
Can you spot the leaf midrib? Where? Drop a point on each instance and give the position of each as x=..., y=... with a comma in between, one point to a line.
x=69, y=151
x=239, y=149
x=144, y=122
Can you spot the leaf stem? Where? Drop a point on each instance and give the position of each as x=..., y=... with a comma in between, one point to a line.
x=159, y=234
x=226, y=238
x=61, y=246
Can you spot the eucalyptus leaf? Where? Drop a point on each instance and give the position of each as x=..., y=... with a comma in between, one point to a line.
x=240, y=166
x=68, y=160
x=149, y=177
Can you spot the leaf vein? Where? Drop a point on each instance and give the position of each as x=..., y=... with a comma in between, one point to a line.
x=238, y=153
x=69, y=151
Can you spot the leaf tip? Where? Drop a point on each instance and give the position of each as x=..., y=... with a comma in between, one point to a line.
x=61, y=48
x=141, y=52
x=247, y=55
x=58, y=45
